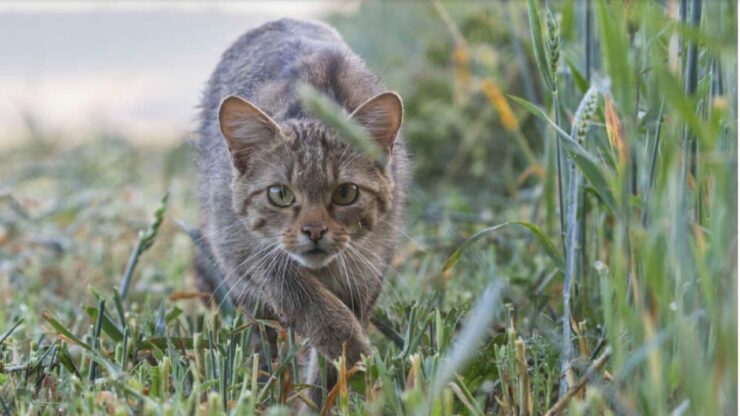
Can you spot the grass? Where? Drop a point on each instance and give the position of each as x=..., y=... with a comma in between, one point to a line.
x=615, y=293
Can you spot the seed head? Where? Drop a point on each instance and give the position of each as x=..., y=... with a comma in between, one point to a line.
x=553, y=41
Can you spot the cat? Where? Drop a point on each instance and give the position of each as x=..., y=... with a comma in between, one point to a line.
x=297, y=219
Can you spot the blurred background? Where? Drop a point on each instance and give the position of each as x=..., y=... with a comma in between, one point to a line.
x=73, y=71
x=134, y=68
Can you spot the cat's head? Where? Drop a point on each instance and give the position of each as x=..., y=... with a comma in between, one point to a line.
x=300, y=187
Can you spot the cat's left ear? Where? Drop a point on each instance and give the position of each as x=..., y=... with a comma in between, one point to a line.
x=245, y=127
x=381, y=116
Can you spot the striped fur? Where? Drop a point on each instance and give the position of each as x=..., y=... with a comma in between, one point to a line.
x=252, y=240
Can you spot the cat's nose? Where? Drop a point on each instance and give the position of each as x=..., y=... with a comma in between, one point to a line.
x=314, y=231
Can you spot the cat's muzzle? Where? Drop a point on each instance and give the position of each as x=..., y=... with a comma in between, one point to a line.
x=314, y=255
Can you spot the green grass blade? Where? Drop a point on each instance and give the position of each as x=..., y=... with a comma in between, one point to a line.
x=64, y=331
x=550, y=249
x=146, y=240
x=578, y=78
x=616, y=41
x=10, y=331
x=93, y=374
x=471, y=336
x=67, y=361
x=588, y=165
x=333, y=115
x=555, y=255
x=108, y=325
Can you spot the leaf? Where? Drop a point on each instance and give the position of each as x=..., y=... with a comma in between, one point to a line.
x=614, y=34
x=66, y=334
x=538, y=42
x=567, y=23
x=64, y=358
x=550, y=249
x=544, y=240
x=173, y=314
x=588, y=165
x=455, y=257
x=109, y=326
x=539, y=112
x=683, y=104
x=580, y=81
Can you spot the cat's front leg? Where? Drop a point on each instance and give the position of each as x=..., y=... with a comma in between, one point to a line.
x=317, y=314
x=313, y=376
x=330, y=326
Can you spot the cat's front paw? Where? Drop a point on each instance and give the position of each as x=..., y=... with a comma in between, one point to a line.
x=343, y=337
x=358, y=345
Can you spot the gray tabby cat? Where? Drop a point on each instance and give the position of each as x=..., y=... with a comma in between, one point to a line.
x=296, y=219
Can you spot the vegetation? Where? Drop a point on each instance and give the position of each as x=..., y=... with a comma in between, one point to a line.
x=570, y=248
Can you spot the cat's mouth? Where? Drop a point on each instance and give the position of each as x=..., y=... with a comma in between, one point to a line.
x=313, y=257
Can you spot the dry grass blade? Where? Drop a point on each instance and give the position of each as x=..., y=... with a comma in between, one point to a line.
x=614, y=131
x=340, y=389
x=578, y=385
x=525, y=396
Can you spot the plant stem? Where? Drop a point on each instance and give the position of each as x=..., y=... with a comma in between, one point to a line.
x=577, y=386
x=93, y=375
x=556, y=106
x=690, y=82
x=579, y=130
x=588, y=37
x=570, y=255
x=133, y=260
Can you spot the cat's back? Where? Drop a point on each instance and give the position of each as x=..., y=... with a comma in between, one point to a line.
x=271, y=53
x=266, y=64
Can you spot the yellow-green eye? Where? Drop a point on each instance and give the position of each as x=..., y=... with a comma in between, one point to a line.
x=345, y=194
x=280, y=196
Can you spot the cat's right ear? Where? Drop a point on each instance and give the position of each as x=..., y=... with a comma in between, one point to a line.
x=245, y=128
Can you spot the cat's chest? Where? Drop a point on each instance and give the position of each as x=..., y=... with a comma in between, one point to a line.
x=346, y=283
x=334, y=279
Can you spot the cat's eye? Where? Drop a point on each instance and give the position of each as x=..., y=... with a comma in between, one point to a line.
x=280, y=196
x=345, y=194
